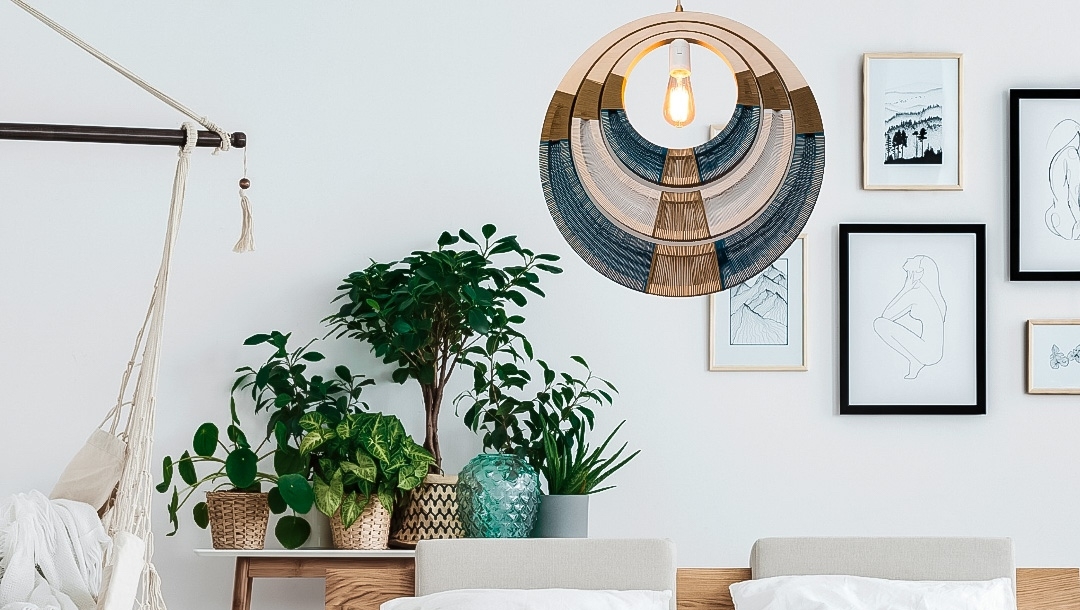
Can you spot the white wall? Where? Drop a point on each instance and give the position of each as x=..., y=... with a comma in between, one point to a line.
x=353, y=158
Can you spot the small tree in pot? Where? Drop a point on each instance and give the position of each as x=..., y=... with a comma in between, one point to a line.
x=426, y=313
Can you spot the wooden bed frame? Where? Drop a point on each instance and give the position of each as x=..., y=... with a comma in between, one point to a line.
x=698, y=588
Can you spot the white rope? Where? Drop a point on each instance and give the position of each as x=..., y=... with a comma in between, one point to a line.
x=247, y=240
x=131, y=512
x=246, y=243
x=226, y=137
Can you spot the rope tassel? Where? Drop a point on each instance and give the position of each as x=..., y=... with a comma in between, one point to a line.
x=246, y=243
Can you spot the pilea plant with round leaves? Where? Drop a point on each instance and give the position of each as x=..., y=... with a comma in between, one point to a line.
x=236, y=470
x=437, y=309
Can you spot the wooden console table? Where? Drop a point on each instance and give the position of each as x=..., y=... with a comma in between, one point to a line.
x=304, y=563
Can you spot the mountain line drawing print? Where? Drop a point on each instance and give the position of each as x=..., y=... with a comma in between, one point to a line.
x=913, y=124
x=759, y=308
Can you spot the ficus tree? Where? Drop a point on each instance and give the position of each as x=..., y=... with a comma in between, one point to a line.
x=436, y=310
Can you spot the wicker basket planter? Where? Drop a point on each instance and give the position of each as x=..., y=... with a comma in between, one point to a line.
x=370, y=532
x=238, y=519
x=430, y=513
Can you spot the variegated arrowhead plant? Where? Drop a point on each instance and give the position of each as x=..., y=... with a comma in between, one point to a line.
x=363, y=455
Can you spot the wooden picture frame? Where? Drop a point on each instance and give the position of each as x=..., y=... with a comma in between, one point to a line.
x=1044, y=241
x=912, y=319
x=766, y=331
x=1053, y=357
x=911, y=92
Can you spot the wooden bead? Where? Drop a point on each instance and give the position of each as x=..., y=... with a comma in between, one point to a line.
x=245, y=183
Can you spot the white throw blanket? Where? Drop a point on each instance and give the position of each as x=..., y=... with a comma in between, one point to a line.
x=51, y=554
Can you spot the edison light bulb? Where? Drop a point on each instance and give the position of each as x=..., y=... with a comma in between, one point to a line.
x=679, y=99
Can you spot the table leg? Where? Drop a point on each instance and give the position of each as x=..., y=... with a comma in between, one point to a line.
x=242, y=584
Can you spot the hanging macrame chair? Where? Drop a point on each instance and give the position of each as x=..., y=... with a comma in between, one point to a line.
x=130, y=422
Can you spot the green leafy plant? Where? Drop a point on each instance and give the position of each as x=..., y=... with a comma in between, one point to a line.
x=571, y=468
x=435, y=310
x=284, y=387
x=363, y=455
x=548, y=429
x=236, y=470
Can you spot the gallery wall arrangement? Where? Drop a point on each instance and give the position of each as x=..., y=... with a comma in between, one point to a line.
x=898, y=321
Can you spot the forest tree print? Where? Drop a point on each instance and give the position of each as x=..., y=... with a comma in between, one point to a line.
x=913, y=124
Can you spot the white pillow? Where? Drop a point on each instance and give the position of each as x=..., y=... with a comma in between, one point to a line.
x=534, y=599
x=859, y=593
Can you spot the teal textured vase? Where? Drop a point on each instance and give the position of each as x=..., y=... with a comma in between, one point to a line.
x=498, y=496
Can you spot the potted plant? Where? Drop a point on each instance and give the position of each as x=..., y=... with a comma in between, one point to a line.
x=548, y=431
x=363, y=465
x=285, y=387
x=430, y=313
x=236, y=509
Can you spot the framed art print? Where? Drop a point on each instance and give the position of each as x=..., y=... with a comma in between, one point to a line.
x=913, y=318
x=760, y=325
x=913, y=121
x=1053, y=357
x=1045, y=184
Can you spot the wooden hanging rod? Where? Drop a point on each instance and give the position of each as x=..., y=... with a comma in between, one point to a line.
x=112, y=135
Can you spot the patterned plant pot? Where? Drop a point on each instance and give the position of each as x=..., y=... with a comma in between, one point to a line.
x=430, y=513
x=498, y=496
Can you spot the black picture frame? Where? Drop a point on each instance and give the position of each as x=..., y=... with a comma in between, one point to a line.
x=845, y=293
x=1016, y=267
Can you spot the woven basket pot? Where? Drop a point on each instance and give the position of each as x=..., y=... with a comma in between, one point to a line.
x=430, y=513
x=370, y=532
x=238, y=519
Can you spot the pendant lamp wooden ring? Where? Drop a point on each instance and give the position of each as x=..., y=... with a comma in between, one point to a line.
x=682, y=222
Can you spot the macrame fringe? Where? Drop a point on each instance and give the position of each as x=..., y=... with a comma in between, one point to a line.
x=246, y=243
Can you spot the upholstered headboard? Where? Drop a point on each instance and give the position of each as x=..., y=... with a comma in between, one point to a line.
x=542, y=563
x=895, y=558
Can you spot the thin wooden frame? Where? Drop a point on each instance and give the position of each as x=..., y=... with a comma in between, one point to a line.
x=1016, y=273
x=979, y=407
x=753, y=367
x=959, y=186
x=1031, y=389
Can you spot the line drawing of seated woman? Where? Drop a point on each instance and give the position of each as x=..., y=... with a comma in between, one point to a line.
x=1063, y=216
x=913, y=323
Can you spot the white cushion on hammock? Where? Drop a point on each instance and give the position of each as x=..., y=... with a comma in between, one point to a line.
x=123, y=570
x=93, y=473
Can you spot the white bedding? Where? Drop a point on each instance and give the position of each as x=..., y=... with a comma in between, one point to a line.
x=858, y=593
x=534, y=599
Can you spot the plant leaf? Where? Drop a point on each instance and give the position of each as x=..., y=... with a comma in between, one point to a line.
x=241, y=467
x=350, y=510
x=166, y=475
x=276, y=502
x=488, y=230
x=328, y=495
x=296, y=492
x=201, y=513
x=186, y=468
x=292, y=531
x=206, y=440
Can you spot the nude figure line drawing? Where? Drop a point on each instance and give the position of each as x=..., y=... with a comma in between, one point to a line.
x=1063, y=216
x=913, y=323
